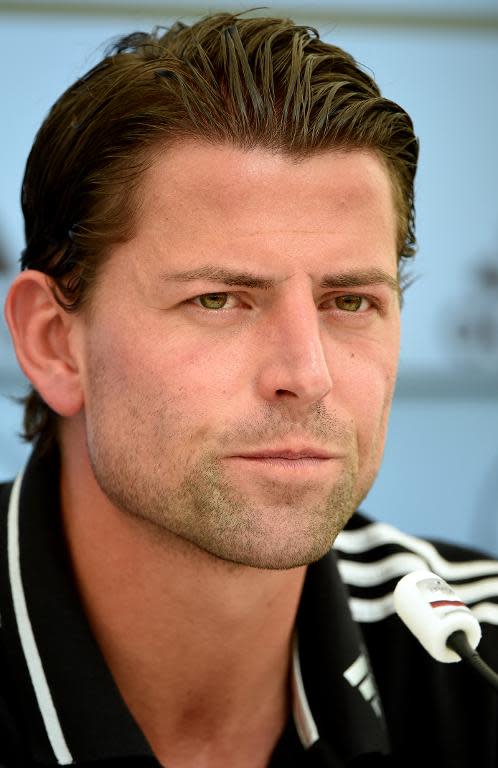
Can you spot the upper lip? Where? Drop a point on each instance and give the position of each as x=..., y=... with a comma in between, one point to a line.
x=301, y=452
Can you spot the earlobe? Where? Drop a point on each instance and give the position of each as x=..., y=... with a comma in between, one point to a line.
x=41, y=334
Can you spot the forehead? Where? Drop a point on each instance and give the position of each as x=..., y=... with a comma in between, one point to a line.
x=249, y=189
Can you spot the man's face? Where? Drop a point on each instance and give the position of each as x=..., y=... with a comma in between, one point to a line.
x=240, y=352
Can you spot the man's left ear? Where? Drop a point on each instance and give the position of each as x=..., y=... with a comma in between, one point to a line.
x=42, y=334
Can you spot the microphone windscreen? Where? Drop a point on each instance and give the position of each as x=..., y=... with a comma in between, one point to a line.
x=432, y=610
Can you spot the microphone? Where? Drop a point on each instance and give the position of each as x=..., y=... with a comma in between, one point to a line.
x=440, y=621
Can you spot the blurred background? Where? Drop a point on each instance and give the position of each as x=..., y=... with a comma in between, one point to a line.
x=439, y=59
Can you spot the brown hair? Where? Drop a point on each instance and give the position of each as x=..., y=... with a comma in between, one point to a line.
x=249, y=81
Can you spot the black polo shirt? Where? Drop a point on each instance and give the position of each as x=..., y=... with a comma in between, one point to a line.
x=353, y=661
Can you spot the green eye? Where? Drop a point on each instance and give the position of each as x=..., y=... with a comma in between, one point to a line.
x=213, y=300
x=349, y=303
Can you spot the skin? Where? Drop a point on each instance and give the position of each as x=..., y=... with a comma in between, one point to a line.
x=171, y=387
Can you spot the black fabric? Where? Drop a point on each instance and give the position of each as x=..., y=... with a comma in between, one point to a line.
x=443, y=713
x=435, y=713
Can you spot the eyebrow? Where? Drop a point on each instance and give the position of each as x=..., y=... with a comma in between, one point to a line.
x=216, y=274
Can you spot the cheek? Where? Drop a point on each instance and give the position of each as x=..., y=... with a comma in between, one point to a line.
x=170, y=381
x=370, y=391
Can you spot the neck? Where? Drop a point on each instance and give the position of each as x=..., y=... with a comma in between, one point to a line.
x=199, y=648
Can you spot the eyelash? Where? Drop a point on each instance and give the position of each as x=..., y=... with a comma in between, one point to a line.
x=373, y=303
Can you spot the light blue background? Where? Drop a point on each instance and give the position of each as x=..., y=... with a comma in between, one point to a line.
x=440, y=474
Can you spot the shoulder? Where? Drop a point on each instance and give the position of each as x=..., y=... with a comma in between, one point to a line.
x=373, y=556
x=11, y=742
x=450, y=710
x=5, y=489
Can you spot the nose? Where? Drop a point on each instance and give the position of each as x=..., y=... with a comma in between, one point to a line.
x=294, y=366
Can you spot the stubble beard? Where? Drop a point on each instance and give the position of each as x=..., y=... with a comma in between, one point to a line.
x=292, y=527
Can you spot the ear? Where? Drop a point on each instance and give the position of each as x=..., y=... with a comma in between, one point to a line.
x=42, y=335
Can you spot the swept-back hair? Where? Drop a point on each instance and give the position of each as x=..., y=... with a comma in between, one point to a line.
x=249, y=82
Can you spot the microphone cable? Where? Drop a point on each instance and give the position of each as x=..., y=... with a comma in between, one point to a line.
x=458, y=641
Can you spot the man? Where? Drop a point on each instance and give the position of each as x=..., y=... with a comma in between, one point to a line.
x=209, y=312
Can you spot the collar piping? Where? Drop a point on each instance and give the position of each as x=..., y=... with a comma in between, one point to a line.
x=28, y=642
x=303, y=718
